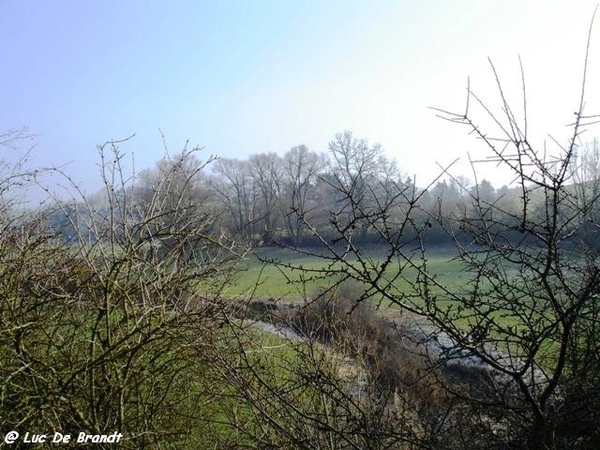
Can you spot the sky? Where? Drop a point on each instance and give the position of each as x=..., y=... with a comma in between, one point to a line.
x=245, y=77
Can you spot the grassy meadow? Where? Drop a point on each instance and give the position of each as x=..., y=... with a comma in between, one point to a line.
x=260, y=278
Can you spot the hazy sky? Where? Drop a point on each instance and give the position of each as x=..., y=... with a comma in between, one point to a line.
x=243, y=77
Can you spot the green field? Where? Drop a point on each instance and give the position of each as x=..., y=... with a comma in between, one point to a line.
x=260, y=279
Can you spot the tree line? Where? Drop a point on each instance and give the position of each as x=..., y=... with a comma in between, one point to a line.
x=299, y=198
x=270, y=199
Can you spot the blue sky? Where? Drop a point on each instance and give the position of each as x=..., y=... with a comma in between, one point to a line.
x=242, y=77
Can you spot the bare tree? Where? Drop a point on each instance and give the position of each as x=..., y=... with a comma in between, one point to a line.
x=13, y=138
x=267, y=172
x=237, y=192
x=516, y=346
x=302, y=167
x=355, y=168
x=101, y=334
